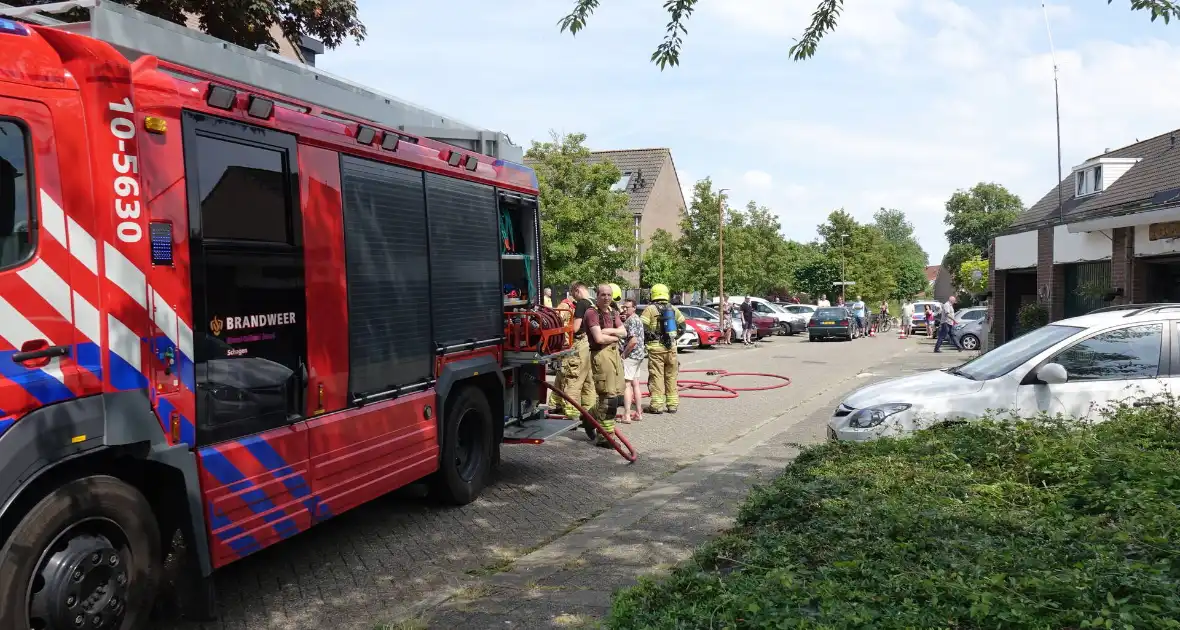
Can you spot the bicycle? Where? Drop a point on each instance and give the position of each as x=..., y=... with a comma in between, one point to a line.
x=883, y=322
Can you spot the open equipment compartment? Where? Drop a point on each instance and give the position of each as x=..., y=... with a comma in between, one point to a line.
x=520, y=252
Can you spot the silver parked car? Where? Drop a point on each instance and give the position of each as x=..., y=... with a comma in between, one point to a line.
x=971, y=329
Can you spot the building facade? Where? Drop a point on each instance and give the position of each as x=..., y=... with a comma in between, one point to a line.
x=1109, y=233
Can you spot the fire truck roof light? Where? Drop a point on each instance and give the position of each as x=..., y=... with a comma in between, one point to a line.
x=454, y=158
x=390, y=141
x=472, y=163
x=365, y=135
x=155, y=125
x=220, y=97
x=259, y=107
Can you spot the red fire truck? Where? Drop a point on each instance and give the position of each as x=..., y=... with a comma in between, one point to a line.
x=226, y=315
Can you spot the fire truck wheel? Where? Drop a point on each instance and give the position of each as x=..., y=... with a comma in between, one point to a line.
x=466, y=458
x=87, y=555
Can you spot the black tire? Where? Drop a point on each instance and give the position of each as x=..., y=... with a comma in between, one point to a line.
x=969, y=342
x=811, y=337
x=93, y=517
x=467, y=454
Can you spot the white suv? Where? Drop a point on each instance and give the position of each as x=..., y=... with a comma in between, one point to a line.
x=1075, y=367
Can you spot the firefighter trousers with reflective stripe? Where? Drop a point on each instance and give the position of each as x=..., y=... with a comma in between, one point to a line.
x=663, y=369
x=608, y=384
x=575, y=377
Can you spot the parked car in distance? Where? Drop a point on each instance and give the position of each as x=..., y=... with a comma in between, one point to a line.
x=800, y=314
x=831, y=322
x=1075, y=367
x=703, y=313
x=919, y=321
x=970, y=329
x=708, y=333
x=782, y=319
x=697, y=333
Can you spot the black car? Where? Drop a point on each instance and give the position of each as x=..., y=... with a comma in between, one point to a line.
x=832, y=322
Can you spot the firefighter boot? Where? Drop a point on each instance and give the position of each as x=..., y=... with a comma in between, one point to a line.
x=655, y=383
x=605, y=412
x=671, y=375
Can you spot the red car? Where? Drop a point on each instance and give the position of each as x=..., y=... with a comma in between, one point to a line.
x=708, y=334
x=764, y=326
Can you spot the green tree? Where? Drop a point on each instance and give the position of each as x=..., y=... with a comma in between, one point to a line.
x=958, y=254
x=909, y=259
x=976, y=216
x=758, y=260
x=864, y=253
x=699, y=228
x=966, y=276
x=662, y=262
x=823, y=21
x=247, y=23
x=587, y=230
x=815, y=272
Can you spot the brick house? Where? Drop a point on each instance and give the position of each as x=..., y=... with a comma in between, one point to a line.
x=656, y=199
x=1109, y=233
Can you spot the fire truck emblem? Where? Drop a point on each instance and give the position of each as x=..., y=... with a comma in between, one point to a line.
x=216, y=326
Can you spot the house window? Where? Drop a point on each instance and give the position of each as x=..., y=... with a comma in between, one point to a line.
x=621, y=185
x=1088, y=181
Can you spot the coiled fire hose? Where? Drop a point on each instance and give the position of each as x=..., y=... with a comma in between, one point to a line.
x=615, y=438
x=714, y=388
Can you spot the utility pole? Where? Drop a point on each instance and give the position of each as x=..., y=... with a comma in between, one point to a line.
x=721, y=246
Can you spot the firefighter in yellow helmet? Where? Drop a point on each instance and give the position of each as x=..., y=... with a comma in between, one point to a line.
x=662, y=325
x=616, y=297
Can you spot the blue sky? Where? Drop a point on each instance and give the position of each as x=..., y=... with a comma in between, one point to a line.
x=909, y=101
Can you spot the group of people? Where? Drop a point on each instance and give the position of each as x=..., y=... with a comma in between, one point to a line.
x=611, y=342
x=859, y=311
x=737, y=321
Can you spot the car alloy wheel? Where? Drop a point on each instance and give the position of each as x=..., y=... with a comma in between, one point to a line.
x=969, y=342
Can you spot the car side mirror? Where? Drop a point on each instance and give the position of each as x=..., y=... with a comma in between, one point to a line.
x=1052, y=374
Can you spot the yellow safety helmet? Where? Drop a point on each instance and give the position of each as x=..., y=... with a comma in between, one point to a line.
x=660, y=292
x=616, y=293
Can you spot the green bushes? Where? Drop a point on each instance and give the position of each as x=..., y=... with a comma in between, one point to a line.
x=988, y=525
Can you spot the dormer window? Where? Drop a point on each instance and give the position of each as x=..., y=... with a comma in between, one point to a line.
x=1088, y=181
x=623, y=183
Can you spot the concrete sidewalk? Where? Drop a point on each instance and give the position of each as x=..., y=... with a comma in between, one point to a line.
x=568, y=583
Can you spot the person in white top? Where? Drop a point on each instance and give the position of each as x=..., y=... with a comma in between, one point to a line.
x=907, y=318
x=823, y=302
x=947, y=323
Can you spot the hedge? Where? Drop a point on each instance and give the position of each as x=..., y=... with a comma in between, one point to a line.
x=1031, y=525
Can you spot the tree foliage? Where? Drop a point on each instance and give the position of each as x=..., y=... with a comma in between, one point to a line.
x=247, y=23
x=966, y=276
x=976, y=216
x=587, y=230
x=958, y=254
x=815, y=272
x=662, y=262
x=824, y=20
x=908, y=257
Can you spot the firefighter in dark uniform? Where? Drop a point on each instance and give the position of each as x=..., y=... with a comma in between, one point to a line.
x=662, y=324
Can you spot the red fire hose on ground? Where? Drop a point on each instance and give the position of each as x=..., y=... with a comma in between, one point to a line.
x=688, y=388
x=615, y=438
x=714, y=388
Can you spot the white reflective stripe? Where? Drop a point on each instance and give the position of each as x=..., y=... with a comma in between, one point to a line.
x=86, y=318
x=165, y=317
x=16, y=330
x=53, y=218
x=124, y=343
x=45, y=281
x=125, y=274
x=186, y=340
x=83, y=247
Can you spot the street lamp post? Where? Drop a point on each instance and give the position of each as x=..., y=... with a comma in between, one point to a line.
x=721, y=247
x=843, y=280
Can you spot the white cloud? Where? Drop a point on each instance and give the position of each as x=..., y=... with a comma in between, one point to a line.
x=758, y=179
x=906, y=102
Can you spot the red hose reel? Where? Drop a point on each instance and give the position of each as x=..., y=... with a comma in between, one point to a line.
x=538, y=329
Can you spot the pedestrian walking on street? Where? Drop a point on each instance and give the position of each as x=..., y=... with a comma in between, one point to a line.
x=662, y=326
x=747, y=322
x=634, y=353
x=929, y=322
x=907, y=318
x=947, y=324
x=605, y=328
x=575, y=368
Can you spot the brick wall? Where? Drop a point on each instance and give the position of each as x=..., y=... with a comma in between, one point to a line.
x=997, y=281
x=1122, y=263
x=1045, y=268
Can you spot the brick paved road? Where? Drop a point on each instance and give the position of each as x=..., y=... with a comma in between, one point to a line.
x=364, y=567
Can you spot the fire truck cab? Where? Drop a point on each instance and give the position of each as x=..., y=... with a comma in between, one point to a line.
x=227, y=314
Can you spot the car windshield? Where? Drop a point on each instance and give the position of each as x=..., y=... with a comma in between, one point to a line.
x=831, y=313
x=1007, y=357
